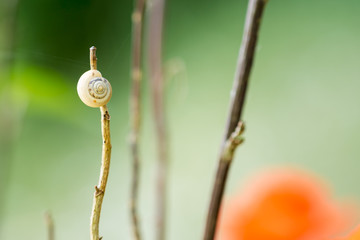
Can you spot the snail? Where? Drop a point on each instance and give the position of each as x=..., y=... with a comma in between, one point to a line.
x=93, y=89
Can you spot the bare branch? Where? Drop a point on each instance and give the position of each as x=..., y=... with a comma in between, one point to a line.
x=156, y=21
x=104, y=173
x=93, y=59
x=135, y=109
x=245, y=60
x=105, y=161
x=10, y=113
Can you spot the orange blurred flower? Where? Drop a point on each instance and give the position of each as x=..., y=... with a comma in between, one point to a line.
x=282, y=205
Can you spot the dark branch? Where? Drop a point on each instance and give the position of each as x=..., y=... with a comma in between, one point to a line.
x=245, y=60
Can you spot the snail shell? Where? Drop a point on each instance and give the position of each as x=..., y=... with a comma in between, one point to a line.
x=93, y=89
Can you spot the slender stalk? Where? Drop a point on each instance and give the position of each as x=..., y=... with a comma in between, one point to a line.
x=245, y=60
x=135, y=109
x=105, y=163
x=93, y=58
x=10, y=113
x=50, y=226
x=104, y=173
x=156, y=22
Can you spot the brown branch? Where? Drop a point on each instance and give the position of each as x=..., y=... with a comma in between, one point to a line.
x=104, y=173
x=156, y=21
x=50, y=226
x=105, y=162
x=135, y=109
x=245, y=60
x=93, y=58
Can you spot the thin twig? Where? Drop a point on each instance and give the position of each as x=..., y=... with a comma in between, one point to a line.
x=156, y=22
x=135, y=109
x=104, y=172
x=10, y=113
x=50, y=226
x=93, y=58
x=245, y=60
x=105, y=164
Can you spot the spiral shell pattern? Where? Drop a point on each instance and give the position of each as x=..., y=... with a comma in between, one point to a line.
x=99, y=87
x=93, y=89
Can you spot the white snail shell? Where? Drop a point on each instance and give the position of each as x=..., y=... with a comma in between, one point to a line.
x=93, y=89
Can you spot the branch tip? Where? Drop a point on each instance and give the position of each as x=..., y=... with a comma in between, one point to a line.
x=93, y=58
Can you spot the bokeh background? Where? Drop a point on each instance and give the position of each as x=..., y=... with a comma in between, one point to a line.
x=302, y=108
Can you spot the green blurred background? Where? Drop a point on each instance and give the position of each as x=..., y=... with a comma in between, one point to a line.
x=302, y=108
